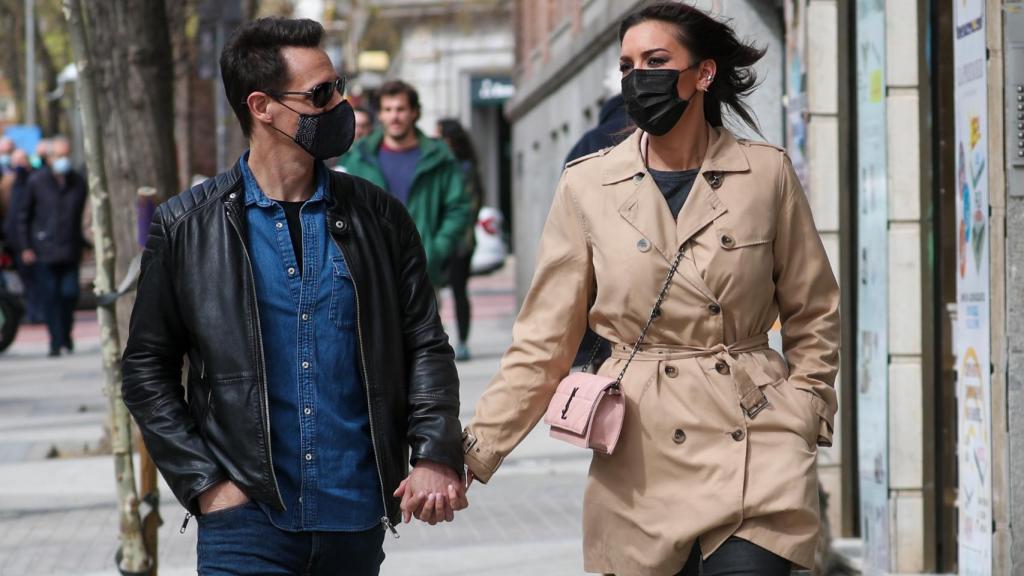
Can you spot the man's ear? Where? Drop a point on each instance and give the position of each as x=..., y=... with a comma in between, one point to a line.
x=259, y=103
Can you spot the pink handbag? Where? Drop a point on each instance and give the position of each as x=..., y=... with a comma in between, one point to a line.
x=588, y=410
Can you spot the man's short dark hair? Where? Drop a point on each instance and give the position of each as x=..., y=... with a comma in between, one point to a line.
x=396, y=88
x=251, y=60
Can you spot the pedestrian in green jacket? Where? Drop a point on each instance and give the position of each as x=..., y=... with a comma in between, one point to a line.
x=418, y=170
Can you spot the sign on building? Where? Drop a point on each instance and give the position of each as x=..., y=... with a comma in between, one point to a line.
x=873, y=288
x=974, y=385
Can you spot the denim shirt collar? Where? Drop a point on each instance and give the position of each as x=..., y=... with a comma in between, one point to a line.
x=254, y=194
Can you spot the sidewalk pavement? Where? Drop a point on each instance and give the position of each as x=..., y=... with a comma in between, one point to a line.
x=58, y=514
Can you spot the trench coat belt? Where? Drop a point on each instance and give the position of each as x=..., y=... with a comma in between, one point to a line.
x=748, y=376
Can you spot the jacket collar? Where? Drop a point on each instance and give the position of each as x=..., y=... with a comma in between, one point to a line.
x=644, y=206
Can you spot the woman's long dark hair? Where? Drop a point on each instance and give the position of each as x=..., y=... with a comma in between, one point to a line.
x=459, y=142
x=709, y=39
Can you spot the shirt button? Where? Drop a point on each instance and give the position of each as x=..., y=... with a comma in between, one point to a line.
x=715, y=309
x=722, y=367
x=738, y=435
x=305, y=316
x=291, y=271
x=671, y=371
x=679, y=436
x=307, y=411
x=305, y=364
x=309, y=457
x=279, y=225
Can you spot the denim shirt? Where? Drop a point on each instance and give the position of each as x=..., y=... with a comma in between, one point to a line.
x=319, y=420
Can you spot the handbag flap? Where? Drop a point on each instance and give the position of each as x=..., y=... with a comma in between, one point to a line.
x=575, y=400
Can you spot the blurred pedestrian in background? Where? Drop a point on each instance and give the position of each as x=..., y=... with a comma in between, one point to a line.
x=19, y=171
x=50, y=239
x=38, y=159
x=418, y=170
x=364, y=122
x=715, y=469
x=452, y=132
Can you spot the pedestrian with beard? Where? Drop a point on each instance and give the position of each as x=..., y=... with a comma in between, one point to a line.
x=681, y=246
x=417, y=170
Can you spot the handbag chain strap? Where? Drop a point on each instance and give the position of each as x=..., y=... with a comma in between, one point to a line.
x=655, y=312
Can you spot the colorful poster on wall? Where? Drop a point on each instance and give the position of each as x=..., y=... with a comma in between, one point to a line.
x=872, y=289
x=974, y=386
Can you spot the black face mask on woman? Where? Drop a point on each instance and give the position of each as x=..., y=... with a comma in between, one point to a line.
x=652, y=99
x=327, y=134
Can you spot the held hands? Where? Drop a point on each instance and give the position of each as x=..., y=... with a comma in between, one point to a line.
x=432, y=493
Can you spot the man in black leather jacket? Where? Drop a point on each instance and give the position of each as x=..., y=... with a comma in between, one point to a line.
x=318, y=368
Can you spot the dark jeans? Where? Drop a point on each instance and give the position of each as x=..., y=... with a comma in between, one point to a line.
x=736, y=557
x=57, y=286
x=458, y=279
x=241, y=541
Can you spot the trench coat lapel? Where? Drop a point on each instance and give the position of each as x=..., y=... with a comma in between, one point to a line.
x=644, y=207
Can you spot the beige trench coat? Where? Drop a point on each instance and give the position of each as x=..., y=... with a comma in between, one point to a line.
x=690, y=461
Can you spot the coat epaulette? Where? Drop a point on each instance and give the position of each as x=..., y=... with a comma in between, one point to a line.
x=600, y=152
x=746, y=142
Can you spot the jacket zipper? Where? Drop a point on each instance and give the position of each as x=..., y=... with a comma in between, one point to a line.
x=261, y=366
x=384, y=520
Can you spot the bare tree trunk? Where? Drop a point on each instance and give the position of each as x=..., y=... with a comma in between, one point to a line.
x=49, y=73
x=183, y=53
x=132, y=556
x=134, y=77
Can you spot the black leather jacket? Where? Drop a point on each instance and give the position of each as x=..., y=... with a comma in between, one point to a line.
x=196, y=299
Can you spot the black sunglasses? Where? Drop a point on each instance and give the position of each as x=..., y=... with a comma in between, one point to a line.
x=321, y=94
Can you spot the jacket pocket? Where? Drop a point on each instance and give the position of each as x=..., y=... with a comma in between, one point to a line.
x=343, y=295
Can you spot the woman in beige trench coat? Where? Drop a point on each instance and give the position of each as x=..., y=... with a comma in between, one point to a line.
x=717, y=453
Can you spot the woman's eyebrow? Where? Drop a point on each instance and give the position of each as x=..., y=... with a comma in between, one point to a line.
x=652, y=51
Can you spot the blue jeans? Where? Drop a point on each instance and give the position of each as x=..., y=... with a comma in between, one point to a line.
x=736, y=557
x=241, y=541
x=57, y=286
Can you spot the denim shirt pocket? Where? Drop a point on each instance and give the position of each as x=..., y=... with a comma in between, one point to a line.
x=343, y=295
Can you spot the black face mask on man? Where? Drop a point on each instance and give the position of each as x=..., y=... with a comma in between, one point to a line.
x=652, y=99
x=327, y=134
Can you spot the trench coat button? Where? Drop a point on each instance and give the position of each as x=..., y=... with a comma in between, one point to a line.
x=715, y=179
x=722, y=367
x=738, y=435
x=714, y=308
x=679, y=436
x=727, y=241
x=638, y=178
x=643, y=245
x=671, y=371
